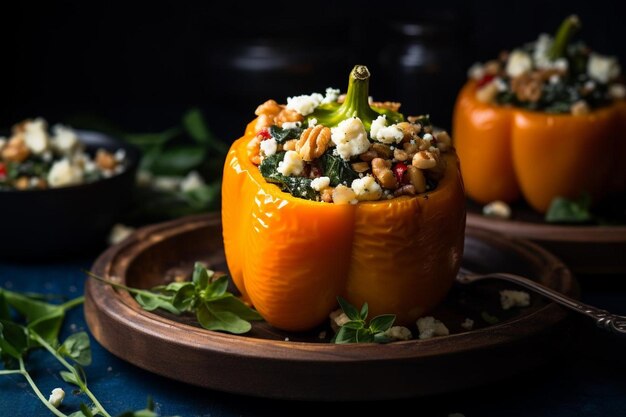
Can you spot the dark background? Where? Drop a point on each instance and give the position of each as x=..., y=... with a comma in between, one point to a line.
x=140, y=66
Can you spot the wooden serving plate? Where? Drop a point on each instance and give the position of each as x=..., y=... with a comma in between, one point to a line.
x=263, y=363
x=586, y=249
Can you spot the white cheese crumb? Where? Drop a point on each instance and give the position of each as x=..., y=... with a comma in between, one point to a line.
x=269, y=146
x=540, y=54
x=312, y=122
x=498, y=209
x=399, y=333
x=513, y=298
x=430, y=327
x=476, y=71
x=64, y=173
x=603, y=68
x=337, y=319
x=56, y=397
x=119, y=232
x=36, y=136
x=318, y=184
x=350, y=137
x=332, y=94
x=617, y=91
x=65, y=140
x=166, y=183
x=304, y=104
x=468, y=324
x=191, y=182
x=344, y=195
x=366, y=189
x=383, y=133
x=291, y=125
x=286, y=339
x=519, y=62
x=120, y=155
x=291, y=165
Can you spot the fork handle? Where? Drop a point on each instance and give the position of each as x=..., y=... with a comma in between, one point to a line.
x=603, y=319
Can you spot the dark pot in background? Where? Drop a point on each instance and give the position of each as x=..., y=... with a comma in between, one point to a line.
x=42, y=225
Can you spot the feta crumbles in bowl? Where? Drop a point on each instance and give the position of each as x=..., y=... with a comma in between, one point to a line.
x=531, y=124
x=331, y=195
x=61, y=191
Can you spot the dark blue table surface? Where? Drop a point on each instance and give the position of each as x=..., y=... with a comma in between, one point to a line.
x=588, y=379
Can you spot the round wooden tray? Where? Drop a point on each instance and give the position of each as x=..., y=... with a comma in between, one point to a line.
x=586, y=249
x=263, y=363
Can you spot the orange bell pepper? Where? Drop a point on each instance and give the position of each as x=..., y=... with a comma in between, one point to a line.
x=508, y=152
x=292, y=257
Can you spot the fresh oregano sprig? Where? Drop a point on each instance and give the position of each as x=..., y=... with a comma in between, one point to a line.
x=205, y=295
x=357, y=330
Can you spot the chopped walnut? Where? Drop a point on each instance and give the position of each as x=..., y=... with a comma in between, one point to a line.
x=16, y=149
x=527, y=87
x=313, y=142
x=105, y=160
x=390, y=105
x=381, y=169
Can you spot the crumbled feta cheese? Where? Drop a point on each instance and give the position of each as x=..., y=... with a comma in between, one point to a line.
x=312, y=122
x=383, y=133
x=318, y=184
x=36, y=136
x=554, y=79
x=291, y=125
x=65, y=140
x=337, y=319
x=64, y=173
x=344, y=195
x=616, y=91
x=519, y=62
x=398, y=333
x=56, y=397
x=498, y=209
x=367, y=188
x=541, y=50
x=476, y=71
x=165, y=183
x=191, y=182
x=560, y=64
x=350, y=137
x=291, y=165
x=603, y=68
x=430, y=327
x=468, y=324
x=332, y=94
x=269, y=146
x=513, y=298
x=305, y=104
x=120, y=155
x=119, y=232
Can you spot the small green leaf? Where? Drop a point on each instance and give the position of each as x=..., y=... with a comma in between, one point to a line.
x=5, y=314
x=70, y=378
x=151, y=302
x=338, y=170
x=185, y=297
x=354, y=324
x=382, y=338
x=488, y=318
x=151, y=140
x=178, y=160
x=221, y=320
x=349, y=309
x=364, y=311
x=13, y=340
x=237, y=307
x=200, y=276
x=382, y=323
x=32, y=309
x=345, y=335
x=48, y=327
x=195, y=124
x=562, y=210
x=283, y=135
x=78, y=348
x=218, y=287
x=364, y=336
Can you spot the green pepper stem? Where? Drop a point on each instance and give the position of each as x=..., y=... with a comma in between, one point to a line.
x=568, y=28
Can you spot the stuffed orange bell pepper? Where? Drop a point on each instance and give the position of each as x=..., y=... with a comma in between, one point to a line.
x=329, y=196
x=543, y=121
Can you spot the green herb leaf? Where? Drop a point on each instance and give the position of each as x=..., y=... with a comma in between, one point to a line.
x=237, y=307
x=185, y=297
x=345, y=335
x=283, y=135
x=13, y=340
x=296, y=186
x=382, y=323
x=146, y=141
x=364, y=311
x=151, y=302
x=78, y=348
x=75, y=378
x=218, y=287
x=195, y=124
x=488, y=318
x=200, y=276
x=48, y=327
x=5, y=314
x=349, y=309
x=364, y=336
x=338, y=170
x=213, y=319
x=562, y=210
x=178, y=160
x=354, y=324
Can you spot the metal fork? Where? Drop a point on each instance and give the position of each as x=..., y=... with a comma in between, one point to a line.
x=603, y=319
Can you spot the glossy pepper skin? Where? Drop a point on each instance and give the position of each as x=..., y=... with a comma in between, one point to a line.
x=292, y=257
x=507, y=152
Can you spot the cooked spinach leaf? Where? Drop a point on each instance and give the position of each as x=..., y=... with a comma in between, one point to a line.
x=562, y=210
x=338, y=170
x=283, y=135
x=296, y=186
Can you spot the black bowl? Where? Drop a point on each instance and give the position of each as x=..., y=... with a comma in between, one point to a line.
x=63, y=222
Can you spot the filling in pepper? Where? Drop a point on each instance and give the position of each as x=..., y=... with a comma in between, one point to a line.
x=551, y=74
x=33, y=159
x=345, y=149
